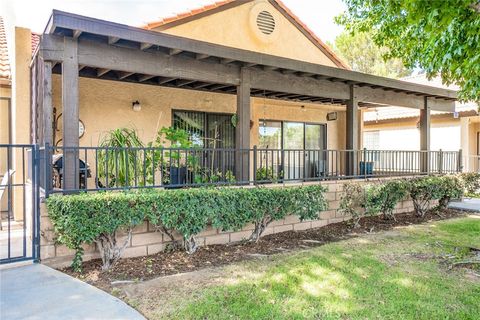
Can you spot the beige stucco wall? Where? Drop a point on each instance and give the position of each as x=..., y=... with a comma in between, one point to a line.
x=404, y=133
x=236, y=27
x=21, y=109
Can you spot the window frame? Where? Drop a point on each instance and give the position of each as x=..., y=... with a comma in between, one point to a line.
x=205, y=120
x=304, y=123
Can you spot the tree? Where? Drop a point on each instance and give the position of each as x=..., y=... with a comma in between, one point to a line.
x=363, y=55
x=441, y=37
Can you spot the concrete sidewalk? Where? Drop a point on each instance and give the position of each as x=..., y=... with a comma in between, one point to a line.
x=38, y=292
x=472, y=205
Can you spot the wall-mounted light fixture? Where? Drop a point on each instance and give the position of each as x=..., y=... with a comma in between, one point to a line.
x=136, y=106
x=331, y=116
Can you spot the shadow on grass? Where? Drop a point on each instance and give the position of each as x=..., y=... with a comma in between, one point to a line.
x=346, y=280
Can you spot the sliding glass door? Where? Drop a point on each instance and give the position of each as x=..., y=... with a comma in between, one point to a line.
x=302, y=148
x=315, y=156
x=293, y=144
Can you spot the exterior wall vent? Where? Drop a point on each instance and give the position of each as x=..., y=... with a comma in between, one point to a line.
x=266, y=22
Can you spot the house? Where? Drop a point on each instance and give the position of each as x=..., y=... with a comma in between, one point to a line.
x=450, y=131
x=265, y=69
x=263, y=97
x=15, y=91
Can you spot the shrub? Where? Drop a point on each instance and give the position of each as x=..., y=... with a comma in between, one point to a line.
x=186, y=211
x=89, y=218
x=451, y=187
x=384, y=197
x=423, y=191
x=471, y=181
x=353, y=201
x=271, y=204
x=98, y=217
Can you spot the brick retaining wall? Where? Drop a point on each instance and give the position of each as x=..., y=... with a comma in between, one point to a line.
x=147, y=241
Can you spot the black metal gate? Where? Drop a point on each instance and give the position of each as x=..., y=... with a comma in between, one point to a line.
x=19, y=203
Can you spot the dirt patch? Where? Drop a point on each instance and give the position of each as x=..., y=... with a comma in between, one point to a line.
x=169, y=263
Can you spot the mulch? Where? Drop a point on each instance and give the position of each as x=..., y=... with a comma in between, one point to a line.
x=168, y=263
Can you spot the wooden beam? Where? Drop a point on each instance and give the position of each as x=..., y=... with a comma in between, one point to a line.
x=425, y=122
x=226, y=61
x=400, y=99
x=102, y=71
x=184, y=82
x=286, y=71
x=289, y=83
x=219, y=87
x=95, y=26
x=98, y=55
x=174, y=52
x=166, y=80
x=242, y=129
x=269, y=68
x=122, y=75
x=145, y=46
x=76, y=34
x=352, y=132
x=200, y=56
x=113, y=40
x=201, y=85
x=47, y=103
x=145, y=77
x=70, y=114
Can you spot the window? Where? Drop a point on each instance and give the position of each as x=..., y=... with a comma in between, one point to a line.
x=208, y=130
x=371, y=140
x=270, y=135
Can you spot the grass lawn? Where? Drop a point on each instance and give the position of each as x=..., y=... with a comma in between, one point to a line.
x=400, y=274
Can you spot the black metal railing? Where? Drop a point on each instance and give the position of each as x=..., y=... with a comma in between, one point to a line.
x=104, y=168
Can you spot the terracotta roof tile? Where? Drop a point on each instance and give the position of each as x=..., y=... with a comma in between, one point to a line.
x=206, y=8
x=35, y=41
x=4, y=60
x=156, y=24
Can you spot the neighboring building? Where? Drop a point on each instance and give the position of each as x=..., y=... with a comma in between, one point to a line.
x=396, y=128
x=15, y=91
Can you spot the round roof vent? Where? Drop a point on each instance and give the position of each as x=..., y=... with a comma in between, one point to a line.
x=266, y=22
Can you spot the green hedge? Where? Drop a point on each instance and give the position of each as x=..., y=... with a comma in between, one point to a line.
x=98, y=217
x=383, y=196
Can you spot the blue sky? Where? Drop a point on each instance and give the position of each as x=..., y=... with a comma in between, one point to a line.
x=33, y=14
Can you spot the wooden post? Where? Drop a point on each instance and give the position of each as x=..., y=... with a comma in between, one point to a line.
x=352, y=133
x=242, y=132
x=425, y=137
x=70, y=114
x=47, y=103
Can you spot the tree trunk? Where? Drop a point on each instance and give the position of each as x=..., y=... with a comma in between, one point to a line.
x=190, y=245
x=260, y=227
x=109, y=250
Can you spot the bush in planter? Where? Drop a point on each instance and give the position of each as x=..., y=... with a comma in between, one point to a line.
x=353, y=201
x=423, y=191
x=384, y=197
x=99, y=217
x=451, y=187
x=471, y=181
x=272, y=204
x=96, y=218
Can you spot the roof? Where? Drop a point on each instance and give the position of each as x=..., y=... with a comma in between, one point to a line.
x=159, y=58
x=219, y=6
x=5, y=73
x=5, y=68
x=35, y=41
